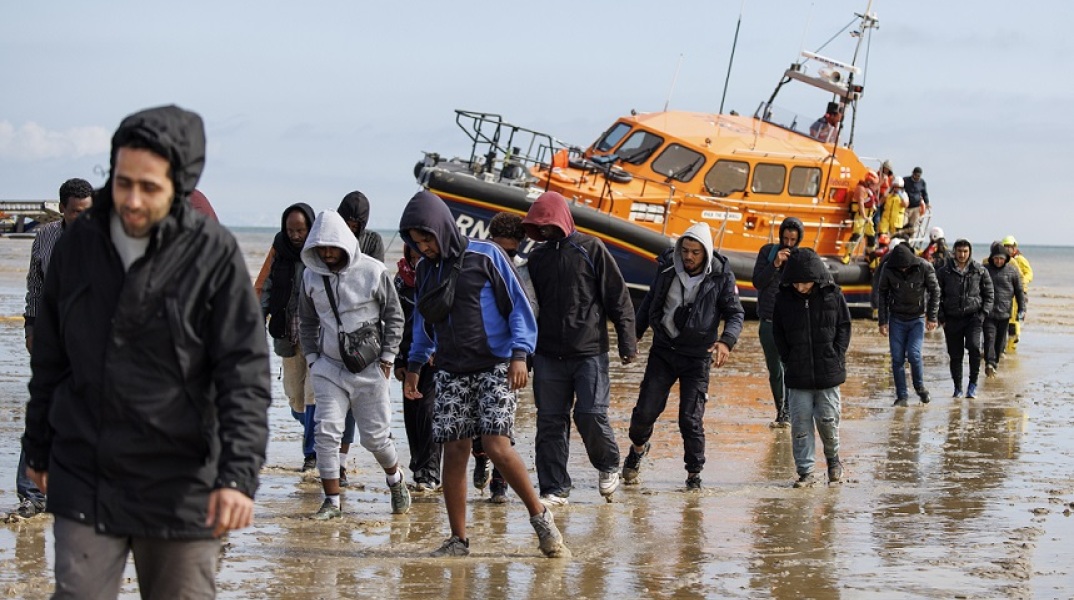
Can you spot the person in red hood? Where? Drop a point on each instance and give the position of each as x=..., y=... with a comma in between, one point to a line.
x=579, y=288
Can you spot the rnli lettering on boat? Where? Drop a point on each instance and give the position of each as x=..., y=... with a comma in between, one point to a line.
x=720, y=215
x=471, y=227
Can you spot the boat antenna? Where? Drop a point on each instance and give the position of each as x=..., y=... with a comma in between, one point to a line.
x=673, y=80
x=734, y=44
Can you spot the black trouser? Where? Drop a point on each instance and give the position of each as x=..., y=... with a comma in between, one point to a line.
x=661, y=372
x=418, y=420
x=995, y=339
x=963, y=334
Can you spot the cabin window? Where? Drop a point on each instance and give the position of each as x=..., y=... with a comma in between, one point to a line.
x=612, y=137
x=727, y=177
x=805, y=181
x=678, y=162
x=768, y=179
x=639, y=147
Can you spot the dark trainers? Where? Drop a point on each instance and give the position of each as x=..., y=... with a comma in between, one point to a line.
x=551, y=541
x=990, y=371
x=835, y=470
x=453, y=546
x=924, y=395
x=971, y=391
x=632, y=465
x=310, y=463
x=482, y=473
x=328, y=511
x=901, y=402
x=693, y=481
x=400, y=496
x=498, y=491
x=29, y=508
x=343, y=481
x=807, y=480
x=958, y=393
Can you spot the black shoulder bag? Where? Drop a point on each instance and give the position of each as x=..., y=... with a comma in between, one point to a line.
x=357, y=349
x=435, y=304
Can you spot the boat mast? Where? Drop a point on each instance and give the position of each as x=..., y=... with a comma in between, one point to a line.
x=731, y=61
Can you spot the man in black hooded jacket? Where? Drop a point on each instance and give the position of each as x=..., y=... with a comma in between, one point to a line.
x=354, y=208
x=766, y=272
x=966, y=297
x=148, y=413
x=908, y=307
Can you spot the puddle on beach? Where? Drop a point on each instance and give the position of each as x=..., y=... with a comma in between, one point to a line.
x=962, y=498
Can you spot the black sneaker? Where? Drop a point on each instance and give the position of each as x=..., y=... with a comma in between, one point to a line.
x=482, y=473
x=693, y=481
x=901, y=402
x=990, y=371
x=498, y=490
x=343, y=481
x=632, y=465
x=924, y=395
x=310, y=463
x=807, y=480
x=835, y=470
x=453, y=546
x=28, y=508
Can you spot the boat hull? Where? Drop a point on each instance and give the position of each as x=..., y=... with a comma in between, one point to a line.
x=473, y=201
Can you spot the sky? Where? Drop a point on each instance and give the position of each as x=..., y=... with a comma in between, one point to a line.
x=305, y=102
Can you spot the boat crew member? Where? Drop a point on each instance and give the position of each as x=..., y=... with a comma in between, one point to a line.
x=826, y=128
x=917, y=194
x=862, y=205
x=1020, y=261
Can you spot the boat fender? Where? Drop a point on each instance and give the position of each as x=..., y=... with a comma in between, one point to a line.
x=619, y=176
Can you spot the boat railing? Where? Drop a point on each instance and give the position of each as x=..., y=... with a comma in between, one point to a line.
x=496, y=145
x=782, y=118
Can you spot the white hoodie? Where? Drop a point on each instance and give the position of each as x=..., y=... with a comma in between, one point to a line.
x=363, y=290
x=686, y=291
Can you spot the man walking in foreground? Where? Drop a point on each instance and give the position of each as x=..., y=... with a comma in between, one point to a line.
x=1009, y=299
x=473, y=313
x=343, y=291
x=966, y=296
x=811, y=326
x=148, y=414
x=579, y=289
x=909, y=303
x=76, y=196
x=690, y=295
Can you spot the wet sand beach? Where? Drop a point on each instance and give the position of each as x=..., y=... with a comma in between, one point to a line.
x=963, y=498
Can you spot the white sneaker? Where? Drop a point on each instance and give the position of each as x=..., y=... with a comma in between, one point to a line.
x=554, y=500
x=609, y=482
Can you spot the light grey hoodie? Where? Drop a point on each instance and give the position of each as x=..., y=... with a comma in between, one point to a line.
x=687, y=290
x=363, y=290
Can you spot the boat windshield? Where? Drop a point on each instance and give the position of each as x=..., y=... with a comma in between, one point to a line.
x=612, y=137
x=639, y=147
x=678, y=162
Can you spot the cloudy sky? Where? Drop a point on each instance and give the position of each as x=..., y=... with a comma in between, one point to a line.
x=308, y=101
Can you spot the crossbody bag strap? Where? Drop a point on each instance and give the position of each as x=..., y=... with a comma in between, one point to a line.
x=332, y=300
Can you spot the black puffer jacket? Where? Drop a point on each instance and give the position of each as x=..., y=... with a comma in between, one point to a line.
x=150, y=387
x=908, y=287
x=966, y=293
x=765, y=273
x=1006, y=284
x=812, y=332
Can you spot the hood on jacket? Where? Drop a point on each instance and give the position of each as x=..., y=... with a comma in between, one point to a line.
x=306, y=211
x=329, y=229
x=804, y=265
x=998, y=249
x=427, y=212
x=792, y=223
x=355, y=207
x=962, y=242
x=902, y=256
x=699, y=232
x=171, y=132
x=200, y=203
x=550, y=208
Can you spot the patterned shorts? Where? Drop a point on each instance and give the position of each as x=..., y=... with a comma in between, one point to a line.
x=469, y=404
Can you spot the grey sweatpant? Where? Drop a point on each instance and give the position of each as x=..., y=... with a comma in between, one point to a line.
x=366, y=394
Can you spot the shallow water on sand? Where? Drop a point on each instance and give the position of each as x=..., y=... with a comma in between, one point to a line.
x=962, y=498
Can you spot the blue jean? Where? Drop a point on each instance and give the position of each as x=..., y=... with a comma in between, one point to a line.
x=25, y=486
x=905, y=338
x=560, y=387
x=809, y=408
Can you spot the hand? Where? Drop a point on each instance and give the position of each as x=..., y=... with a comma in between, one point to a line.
x=40, y=479
x=884, y=330
x=720, y=351
x=410, y=386
x=781, y=257
x=627, y=359
x=1021, y=317
x=516, y=374
x=400, y=373
x=229, y=509
x=386, y=369
x=930, y=326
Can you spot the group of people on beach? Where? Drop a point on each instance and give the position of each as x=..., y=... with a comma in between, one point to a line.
x=148, y=415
